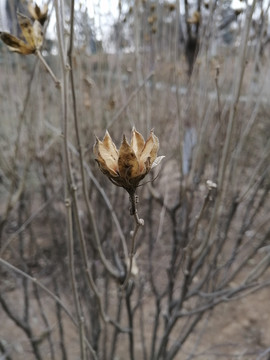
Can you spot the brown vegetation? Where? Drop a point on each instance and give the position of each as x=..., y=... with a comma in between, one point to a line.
x=196, y=283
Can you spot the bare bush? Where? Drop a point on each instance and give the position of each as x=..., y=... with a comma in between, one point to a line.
x=82, y=277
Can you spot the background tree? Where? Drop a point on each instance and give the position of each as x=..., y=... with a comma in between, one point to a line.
x=68, y=288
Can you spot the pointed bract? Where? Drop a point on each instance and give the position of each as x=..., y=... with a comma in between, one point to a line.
x=137, y=142
x=16, y=45
x=107, y=163
x=37, y=13
x=149, y=152
x=109, y=145
x=157, y=161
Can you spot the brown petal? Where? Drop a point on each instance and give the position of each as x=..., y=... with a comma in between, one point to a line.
x=27, y=29
x=33, y=10
x=149, y=152
x=16, y=44
x=104, y=158
x=38, y=14
x=128, y=164
x=155, y=148
x=137, y=142
x=110, y=146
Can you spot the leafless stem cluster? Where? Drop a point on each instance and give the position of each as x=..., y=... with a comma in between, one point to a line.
x=71, y=253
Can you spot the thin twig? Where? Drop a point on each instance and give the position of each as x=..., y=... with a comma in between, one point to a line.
x=51, y=294
x=70, y=188
x=98, y=186
x=132, y=95
x=138, y=223
x=28, y=222
x=47, y=67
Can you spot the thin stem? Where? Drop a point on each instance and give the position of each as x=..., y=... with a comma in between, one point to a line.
x=89, y=207
x=132, y=95
x=70, y=188
x=218, y=93
x=45, y=320
x=28, y=222
x=90, y=175
x=236, y=95
x=138, y=223
x=13, y=194
x=60, y=322
x=130, y=320
x=72, y=276
x=47, y=67
x=51, y=294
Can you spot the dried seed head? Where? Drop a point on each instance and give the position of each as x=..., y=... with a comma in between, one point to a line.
x=32, y=33
x=128, y=166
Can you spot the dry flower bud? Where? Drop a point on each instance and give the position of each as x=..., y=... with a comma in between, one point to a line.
x=127, y=166
x=32, y=33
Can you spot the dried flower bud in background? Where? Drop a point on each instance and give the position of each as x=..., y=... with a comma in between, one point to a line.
x=127, y=166
x=195, y=18
x=33, y=35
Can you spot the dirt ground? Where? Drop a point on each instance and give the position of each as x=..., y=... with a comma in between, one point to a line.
x=234, y=330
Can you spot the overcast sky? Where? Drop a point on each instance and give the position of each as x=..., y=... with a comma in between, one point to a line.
x=104, y=13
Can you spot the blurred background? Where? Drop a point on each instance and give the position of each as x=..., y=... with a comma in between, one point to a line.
x=197, y=72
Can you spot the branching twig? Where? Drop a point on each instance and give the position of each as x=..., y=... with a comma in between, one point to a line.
x=70, y=188
x=47, y=67
x=51, y=294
